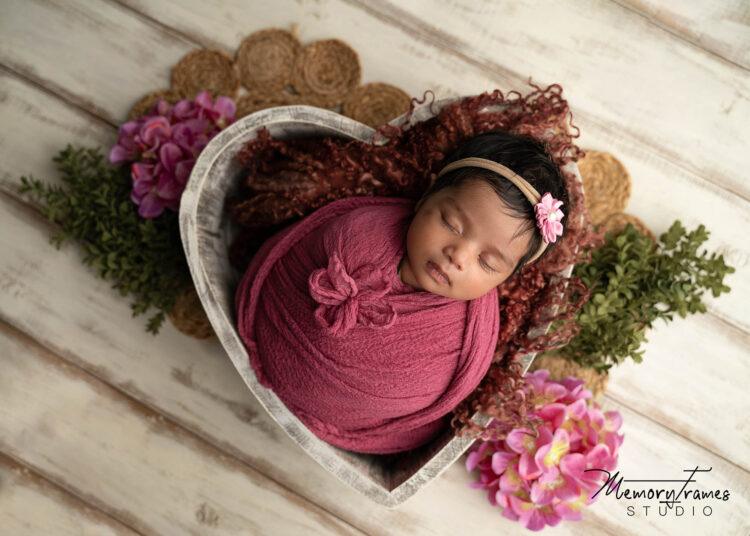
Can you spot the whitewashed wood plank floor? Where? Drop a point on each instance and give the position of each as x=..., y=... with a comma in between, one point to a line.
x=107, y=430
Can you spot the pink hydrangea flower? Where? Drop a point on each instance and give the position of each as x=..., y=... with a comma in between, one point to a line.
x=549, y=455
x=541, y=479
x=523, y=442
x=163, y=145
x=554, y=483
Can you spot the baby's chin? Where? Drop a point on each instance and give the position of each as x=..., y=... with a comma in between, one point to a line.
x=440, y=291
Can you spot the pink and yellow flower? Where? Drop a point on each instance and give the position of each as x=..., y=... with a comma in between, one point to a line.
x=525, y=443
x=549, y=455
x=540, y=478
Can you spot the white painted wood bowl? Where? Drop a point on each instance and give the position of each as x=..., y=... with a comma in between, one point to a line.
x=207, y=233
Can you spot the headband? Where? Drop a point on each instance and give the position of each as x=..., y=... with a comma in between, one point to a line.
x=546, y=207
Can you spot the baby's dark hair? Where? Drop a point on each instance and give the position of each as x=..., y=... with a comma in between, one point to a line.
x=527, y=157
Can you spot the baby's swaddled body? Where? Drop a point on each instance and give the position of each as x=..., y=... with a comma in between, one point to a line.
x=366, y=362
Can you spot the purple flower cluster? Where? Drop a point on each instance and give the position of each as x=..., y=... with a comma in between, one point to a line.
x=163, y=145
x=541, y=479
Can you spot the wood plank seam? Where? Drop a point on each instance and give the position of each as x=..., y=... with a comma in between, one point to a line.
x=675, y=33
x=35, y=474
x=60, y=92
x=74, y=102
x=188, y=38
x=165, y=419
x=609, y=396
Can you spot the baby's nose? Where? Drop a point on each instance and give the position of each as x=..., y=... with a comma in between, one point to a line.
x=457, y=256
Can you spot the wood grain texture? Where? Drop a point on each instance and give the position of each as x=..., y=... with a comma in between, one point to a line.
x=123, y=458
x=723, y=29
x=38, y=42
x=676, y=384
x=31, y=505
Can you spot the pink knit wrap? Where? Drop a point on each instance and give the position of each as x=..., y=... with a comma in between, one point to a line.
x=367, y=363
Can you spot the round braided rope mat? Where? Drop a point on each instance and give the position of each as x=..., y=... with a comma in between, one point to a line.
x=559, y=368
x=143, y=106
x=326, y=71
x=617, y=223
x=189, y=317
x=266, y=58
x=375, y=104
x=206, y=70
x=606, y=185
x=259, y=100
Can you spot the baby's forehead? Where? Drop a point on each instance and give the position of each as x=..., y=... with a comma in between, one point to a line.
x=470, y=194
x=477, y=201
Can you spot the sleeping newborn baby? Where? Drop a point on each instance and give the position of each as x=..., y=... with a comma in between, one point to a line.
x=373, y=317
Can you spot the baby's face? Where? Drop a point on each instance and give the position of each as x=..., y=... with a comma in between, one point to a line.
x=460, y=243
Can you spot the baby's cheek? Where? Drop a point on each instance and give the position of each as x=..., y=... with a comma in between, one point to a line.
x=414, y=239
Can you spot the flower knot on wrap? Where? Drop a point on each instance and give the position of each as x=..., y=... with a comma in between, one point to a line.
x=346, y=299
x=364, y=361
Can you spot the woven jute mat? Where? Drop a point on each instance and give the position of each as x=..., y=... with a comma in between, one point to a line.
x=617, y=223
x=143, y=106
x=189, y=317
x=265, y=59
x=326, y=71
x=606, y=185
x=206, y=70
x=375, y=104
x=259, y=100
x=559, y=368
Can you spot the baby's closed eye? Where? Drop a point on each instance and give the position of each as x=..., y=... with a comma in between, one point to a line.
x=448, y=224
x=453, y=228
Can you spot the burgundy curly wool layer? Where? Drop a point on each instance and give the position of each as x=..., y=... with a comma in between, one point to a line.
x=287, y=180
x=362, y=359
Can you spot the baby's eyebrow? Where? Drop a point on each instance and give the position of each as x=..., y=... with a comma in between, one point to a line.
x=493, y=249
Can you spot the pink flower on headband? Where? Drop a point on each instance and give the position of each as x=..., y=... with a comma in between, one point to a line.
x=548, y=216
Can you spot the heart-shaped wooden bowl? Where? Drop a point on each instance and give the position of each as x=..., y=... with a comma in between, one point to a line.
x=207, y=232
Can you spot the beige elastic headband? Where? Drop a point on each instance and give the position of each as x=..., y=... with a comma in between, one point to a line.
x=528, y=190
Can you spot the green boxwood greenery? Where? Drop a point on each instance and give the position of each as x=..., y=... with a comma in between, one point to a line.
x=143, y=257
x=635, y=281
